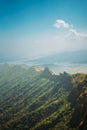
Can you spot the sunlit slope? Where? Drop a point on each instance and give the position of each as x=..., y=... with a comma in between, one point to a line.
x=37, y=99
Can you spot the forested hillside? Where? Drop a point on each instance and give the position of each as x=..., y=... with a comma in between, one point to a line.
x=37, y=99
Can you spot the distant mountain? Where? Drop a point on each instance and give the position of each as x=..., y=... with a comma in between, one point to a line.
x=34, y=98
x=65, y=57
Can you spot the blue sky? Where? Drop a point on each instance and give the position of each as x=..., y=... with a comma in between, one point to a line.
x=30, y=28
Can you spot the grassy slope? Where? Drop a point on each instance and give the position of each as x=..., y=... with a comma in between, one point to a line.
x=33, y=99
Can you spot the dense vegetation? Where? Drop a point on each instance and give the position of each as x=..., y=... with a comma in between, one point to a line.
x=36, y=99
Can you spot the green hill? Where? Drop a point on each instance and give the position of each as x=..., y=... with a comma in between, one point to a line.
x=37, y=99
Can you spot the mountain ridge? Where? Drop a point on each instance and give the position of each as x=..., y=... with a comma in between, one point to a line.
x=38, y=100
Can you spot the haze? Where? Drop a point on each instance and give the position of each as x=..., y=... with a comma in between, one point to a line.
x=35, y=28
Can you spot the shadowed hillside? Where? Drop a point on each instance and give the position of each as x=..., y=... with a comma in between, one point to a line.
x=37, y=99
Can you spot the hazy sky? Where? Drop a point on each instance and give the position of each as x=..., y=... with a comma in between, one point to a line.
x=32, y=28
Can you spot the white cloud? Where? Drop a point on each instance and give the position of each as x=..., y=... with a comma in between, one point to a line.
x=62, y=24
x=76, y=35
x=74, y=32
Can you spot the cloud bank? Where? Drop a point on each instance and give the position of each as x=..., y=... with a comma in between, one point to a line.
x=77, y=34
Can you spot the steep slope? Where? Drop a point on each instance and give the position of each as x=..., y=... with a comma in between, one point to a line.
x=78, y=99
x=37, y=99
